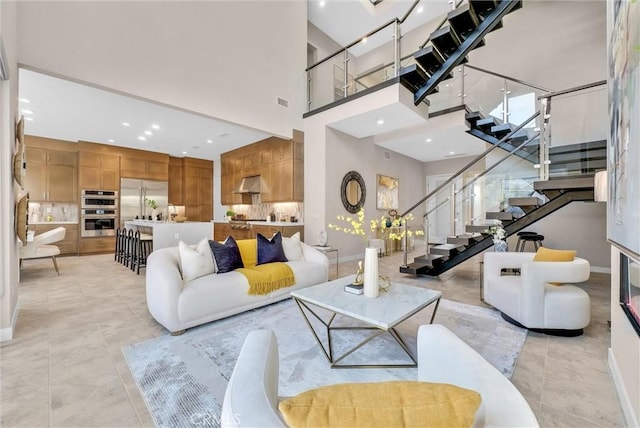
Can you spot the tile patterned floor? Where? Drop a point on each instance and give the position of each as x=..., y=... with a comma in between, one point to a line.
x=65, y=366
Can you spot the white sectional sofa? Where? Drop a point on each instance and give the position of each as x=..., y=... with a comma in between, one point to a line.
x=251, y=398
x=179, y=305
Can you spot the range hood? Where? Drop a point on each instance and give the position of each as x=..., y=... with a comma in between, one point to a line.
x=249, y=185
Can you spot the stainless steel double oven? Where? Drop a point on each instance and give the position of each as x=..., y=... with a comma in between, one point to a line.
x=99, y=213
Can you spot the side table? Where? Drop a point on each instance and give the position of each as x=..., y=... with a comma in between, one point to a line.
x=327, y=250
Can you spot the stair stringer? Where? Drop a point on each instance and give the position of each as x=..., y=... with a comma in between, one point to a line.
x=502, y=8
x=564, y=198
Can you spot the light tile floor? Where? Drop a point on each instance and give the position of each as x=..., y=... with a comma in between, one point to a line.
x=65, y=366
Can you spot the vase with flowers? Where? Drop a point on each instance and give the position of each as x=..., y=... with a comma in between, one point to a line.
x=499, y=237
x=356, y=226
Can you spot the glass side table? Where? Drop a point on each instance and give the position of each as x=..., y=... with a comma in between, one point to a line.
x=327, y=250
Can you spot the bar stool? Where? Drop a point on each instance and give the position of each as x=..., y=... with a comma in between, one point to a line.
x=534, y=238
x=520, y=240
x=142, y=247
x=128, y=239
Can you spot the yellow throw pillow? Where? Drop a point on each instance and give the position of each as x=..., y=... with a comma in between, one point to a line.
x=248, y=251
x=548, y=255
x=386, y=404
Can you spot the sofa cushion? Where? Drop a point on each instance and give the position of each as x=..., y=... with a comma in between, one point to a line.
x=195, y=261
x=227, y=255
x=548, y=255
x=395, y=403
x=292, y=248
x=248, y=251
x=270, y=250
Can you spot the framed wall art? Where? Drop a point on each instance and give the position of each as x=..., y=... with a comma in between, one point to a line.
x=387, y=193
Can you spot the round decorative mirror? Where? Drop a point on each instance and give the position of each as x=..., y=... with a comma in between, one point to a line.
x=353, y=191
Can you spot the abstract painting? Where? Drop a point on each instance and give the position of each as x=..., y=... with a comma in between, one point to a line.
x=387, y=192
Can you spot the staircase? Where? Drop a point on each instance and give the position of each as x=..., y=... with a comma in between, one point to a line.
x=448, y=46
x=559, y=191
x=583, y=158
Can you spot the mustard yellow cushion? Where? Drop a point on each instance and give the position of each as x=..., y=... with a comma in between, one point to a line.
x=384, y=404
x=248, y=251
x=548, y=255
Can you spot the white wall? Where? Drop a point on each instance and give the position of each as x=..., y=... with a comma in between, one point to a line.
x=9, y=275
x=225, y=59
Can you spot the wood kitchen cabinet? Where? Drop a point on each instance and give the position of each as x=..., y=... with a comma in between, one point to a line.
x=221, y=231
x=97, y=245
x=175, y=181
x=52, y=175
x=197, y=189
x=279, y=162
x=99, y=167
x=269, y=230
x=69, y=245
x=144, y=164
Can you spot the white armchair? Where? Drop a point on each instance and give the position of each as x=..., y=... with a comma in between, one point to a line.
x=530, y=300
x=39, y=248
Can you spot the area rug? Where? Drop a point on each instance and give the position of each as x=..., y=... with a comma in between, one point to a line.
x=183, y=379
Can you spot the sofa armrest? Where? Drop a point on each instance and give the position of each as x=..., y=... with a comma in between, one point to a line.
x=443, y=357
x=315, y=256
x=251, y=398
x=163, y=287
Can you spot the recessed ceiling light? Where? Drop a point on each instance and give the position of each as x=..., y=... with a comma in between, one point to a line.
x=452, y=153
x=428, y=140
x=24, y=100
x=364, y=40
x=111, y=140
x=141, y=138
x=126, y=124
x=148, y=132
x=155, y=126
x=321, y=3
x=184, y=152
x=420, y=9
x=380, y=122
x=30, y=119
x=26, y=111
x=210, y=141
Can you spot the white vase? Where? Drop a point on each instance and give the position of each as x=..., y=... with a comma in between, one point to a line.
x=371, y=272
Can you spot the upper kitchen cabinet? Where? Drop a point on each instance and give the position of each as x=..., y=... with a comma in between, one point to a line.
x=99, y=166
x=51, y=170
x=144, y=164
x=197, y=189
x=279, y=163
x=175, y=181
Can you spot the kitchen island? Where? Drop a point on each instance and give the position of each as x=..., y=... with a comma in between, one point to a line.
x=167, y=234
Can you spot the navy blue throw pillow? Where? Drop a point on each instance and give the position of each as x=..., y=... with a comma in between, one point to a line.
x=270, y=250
x=227, y=255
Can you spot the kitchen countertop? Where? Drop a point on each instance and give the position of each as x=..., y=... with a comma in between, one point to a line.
x=267, y=223
x=54, y=222
x=152, y=223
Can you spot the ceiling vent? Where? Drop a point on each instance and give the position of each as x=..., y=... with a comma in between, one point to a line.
x=282, y=102
x=387, y=155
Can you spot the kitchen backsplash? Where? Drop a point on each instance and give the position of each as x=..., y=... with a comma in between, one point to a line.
x=52, y=211
x=259, y=210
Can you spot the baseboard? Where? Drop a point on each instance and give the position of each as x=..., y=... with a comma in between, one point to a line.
x=627, y=410
x=7, y=333
x=600, y=269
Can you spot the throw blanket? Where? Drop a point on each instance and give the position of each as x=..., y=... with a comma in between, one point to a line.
x=263, y=279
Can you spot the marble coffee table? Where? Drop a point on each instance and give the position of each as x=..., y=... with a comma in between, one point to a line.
x=380, y=315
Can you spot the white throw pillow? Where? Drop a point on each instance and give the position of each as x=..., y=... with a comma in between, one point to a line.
x=195, y=261
x=292, y=247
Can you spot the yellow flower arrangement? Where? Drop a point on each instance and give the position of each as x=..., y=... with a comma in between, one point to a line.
x=355, y=226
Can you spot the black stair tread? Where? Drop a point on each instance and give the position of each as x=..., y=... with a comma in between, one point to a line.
x=459, y=240
x=415, y=268
x=501, y=130
x=499, y=215
x=575, y=182
x=430, y=259
x=412, y=77
x=482, y=8
x=429, y=59
x=530, y=201
x=464, y=21
x=445, y=40
x=486, y=124
x=479, y=228
x=472, y=117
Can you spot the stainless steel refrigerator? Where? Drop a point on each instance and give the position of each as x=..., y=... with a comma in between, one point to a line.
x=134, y=192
